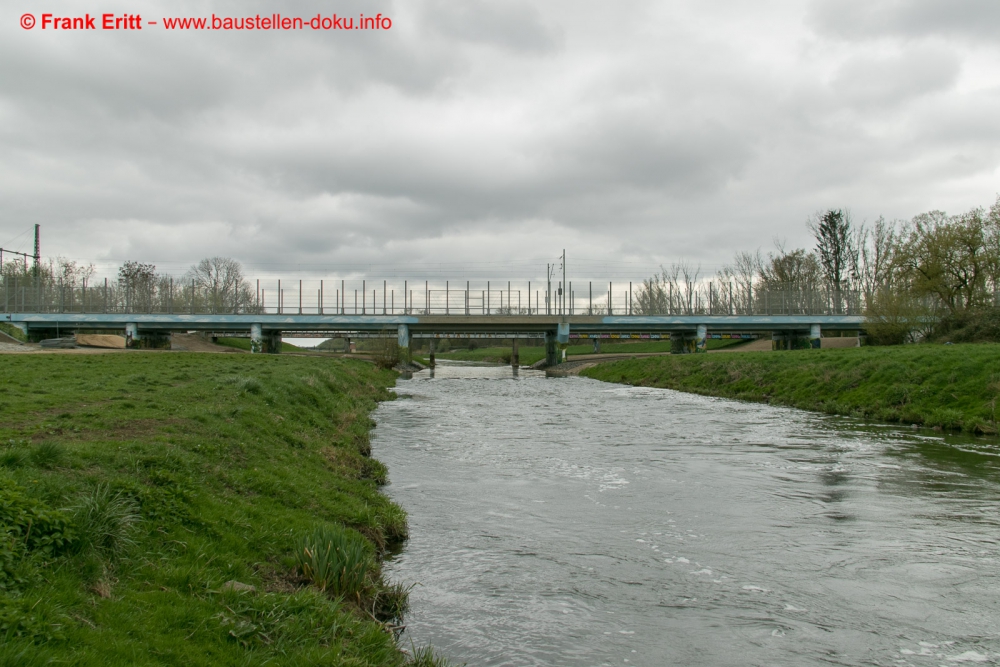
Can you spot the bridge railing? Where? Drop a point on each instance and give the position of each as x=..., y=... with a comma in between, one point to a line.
x=25, y=294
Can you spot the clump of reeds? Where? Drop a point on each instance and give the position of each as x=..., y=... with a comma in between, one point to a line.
x=335, y=560
x=105, y=521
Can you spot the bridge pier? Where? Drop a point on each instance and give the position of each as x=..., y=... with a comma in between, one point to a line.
x=551, y=358
x=701, y=338
x=815, y=336
x=515, y=357
x=682, y=343
x=403, y=340
x=433, y=363
x=597, y=346
x=256, y=338
x=131, y=335
x=272, y=342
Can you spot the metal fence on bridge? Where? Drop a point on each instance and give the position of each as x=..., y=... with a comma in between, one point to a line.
x=24, y=293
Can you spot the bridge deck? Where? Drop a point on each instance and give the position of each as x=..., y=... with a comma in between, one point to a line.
x=418, y=324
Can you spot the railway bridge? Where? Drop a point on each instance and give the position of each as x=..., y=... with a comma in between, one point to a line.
x=687, y=333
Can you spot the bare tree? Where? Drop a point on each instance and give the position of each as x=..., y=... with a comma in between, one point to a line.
x=223, y=285
x=136, y=283
x=836, y=249
x=876, y=257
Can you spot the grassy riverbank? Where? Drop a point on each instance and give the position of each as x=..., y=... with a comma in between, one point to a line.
x=530, y=355
x=950, y=387
x=142, y=495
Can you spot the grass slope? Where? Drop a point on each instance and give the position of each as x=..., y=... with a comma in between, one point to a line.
x=952, y=387
x=244, y=344
x=133, y=487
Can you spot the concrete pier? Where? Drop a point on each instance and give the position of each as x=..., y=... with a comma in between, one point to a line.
x=515, y=357
x=256, y=339
x=272, y=342
x=815, y=334
x=551, y=356
x=433, y=363
x=131, y=335
x=701, y=338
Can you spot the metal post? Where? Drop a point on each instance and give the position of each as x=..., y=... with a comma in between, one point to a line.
x=406, y=308
x=630, y=297
x=364, y=297
x=529, y=297
x=343, y=298
x=610, y=292
x=487, y=297
x=590, y=299
x=105, y=295
x=508, y=296
x=300, y=297
x=447, y=297
x=320, y=297
x=427, y=298
x=466, y=297
x=564, y=280
x=355, y=302
x=384, y=284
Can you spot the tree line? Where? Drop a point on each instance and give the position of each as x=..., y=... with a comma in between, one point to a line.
x=214, y=285
x=910, y=278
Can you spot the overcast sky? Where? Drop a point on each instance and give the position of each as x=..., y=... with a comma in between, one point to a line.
x=478, y=138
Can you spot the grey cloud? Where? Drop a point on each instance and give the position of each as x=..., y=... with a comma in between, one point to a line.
x=880, y=80
x=864, y=19
x=514, y=26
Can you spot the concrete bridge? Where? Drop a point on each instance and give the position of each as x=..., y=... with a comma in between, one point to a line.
x=688, y=333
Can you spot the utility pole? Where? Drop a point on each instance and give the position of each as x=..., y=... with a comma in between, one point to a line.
x=38, y=249
x=564, y=283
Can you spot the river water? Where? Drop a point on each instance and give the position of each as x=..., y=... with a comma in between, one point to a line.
x=564, y=521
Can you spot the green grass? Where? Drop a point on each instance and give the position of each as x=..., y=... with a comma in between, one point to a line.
x=134, y=487
x=13, y=331
x=530, y=355
x=953, y=387
x=244, y=344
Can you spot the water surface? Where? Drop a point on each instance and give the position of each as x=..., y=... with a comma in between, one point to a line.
x=564, y=521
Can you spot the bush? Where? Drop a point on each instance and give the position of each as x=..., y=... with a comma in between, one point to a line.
x=971, y=326
x=29, y=528
x=894, y=318
x=334, y=560
x=386, y=352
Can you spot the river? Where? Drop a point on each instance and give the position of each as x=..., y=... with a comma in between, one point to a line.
x=565, y=521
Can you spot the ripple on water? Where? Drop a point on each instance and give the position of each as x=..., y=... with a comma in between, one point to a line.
x=569, y=522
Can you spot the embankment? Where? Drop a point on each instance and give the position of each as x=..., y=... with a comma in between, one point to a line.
x=952, y=387
x=155, y=508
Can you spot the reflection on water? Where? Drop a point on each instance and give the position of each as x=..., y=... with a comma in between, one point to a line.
x=562, y=521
